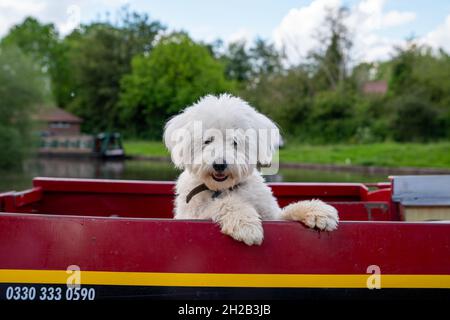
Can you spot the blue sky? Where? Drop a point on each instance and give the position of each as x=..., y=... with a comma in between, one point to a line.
x=220, y=19
x=379, y=24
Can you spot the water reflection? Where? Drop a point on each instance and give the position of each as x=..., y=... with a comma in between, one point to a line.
x=147, y=170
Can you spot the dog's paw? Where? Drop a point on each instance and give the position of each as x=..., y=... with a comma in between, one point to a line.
x=323, y=220
x=314, y=214
x=243, y=225
x=249, y=233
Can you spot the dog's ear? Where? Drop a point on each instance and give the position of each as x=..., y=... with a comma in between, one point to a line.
x=268, y=139
x=177, y=138
x=175, y=123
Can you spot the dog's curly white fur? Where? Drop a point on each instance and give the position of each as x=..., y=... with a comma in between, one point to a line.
x=244, y=200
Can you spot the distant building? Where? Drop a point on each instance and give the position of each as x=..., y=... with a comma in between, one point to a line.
x=60, y=135
x=375, y=87
x=56, y=121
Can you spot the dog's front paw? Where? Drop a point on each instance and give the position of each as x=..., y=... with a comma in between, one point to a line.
x=322, y=219
x=243, y=225
x=249, y=233
x=314, y=214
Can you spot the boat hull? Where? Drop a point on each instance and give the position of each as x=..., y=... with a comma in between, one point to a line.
x=101, y=239
x=192, y=259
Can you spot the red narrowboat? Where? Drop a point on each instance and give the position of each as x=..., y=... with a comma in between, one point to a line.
x=79, y=239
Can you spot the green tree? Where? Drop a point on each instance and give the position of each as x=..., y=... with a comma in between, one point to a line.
x=35, y=39
x=246, y=64
x=417, y=72
x=99, y=56
x=362, y=73
x=175, y=74
x=402, y=67
x=40, y=42
x=286, y=98
x=265, y=58
x=313, y=101
x=22, y=87
x=330, y=60
x=237, y=60
x=61, y=74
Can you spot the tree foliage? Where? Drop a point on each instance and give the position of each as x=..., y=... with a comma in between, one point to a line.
x=35, y=39
x=99, y=56
x=415, y=119
x=330, y=60
x=244, y=63
x=175, y=74
x=322, y=101
x=40, y=43
x=22, y=88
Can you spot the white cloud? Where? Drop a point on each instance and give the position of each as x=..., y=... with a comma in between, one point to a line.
x=73, y=20
x=199, y=33
x=370, y=15
x=65, y=14
x=439, y=37
x=11, y=12
x=296, y=32
x=369, y=22
x=242, y=34
x=26, y=5
x=396, y=18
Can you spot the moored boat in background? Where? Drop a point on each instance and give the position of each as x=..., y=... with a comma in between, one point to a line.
x=103, y=145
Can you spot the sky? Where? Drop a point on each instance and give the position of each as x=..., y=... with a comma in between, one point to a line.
x=376, y=25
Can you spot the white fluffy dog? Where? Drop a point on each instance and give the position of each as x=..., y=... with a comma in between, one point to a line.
x=214, y=142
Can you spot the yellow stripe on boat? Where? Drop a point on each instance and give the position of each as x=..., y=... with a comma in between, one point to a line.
x=225, y=279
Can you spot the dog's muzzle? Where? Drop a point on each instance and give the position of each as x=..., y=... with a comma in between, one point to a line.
x=219, y=168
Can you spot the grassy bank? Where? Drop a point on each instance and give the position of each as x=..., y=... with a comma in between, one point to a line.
x=145, y=148
x=435, y=155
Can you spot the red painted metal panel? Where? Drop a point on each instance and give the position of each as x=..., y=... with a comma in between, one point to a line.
x=106, y=204
x=379, y=185
x=27, y=197
x=380, y=195
x=385, y=194
x=151, y=199
x=102, y=186
x=165, y=245
x=15, y=200
x=363, y=211
x=3, y=197
x=344, y=191
x=307, y=190
x=78, y=235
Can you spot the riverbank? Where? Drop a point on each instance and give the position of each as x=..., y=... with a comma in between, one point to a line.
x=407, y=157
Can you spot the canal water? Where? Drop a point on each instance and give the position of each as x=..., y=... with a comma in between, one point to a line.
x=147, y=170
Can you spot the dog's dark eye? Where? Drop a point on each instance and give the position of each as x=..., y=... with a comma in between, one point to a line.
x=208, y=141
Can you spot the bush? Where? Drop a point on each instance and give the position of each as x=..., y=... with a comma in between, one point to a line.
x=11, y=146
x=415, y=119
x=372, y=114
x=332, y=117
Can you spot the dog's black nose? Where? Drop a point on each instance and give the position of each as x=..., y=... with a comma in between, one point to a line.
x=219, y=167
